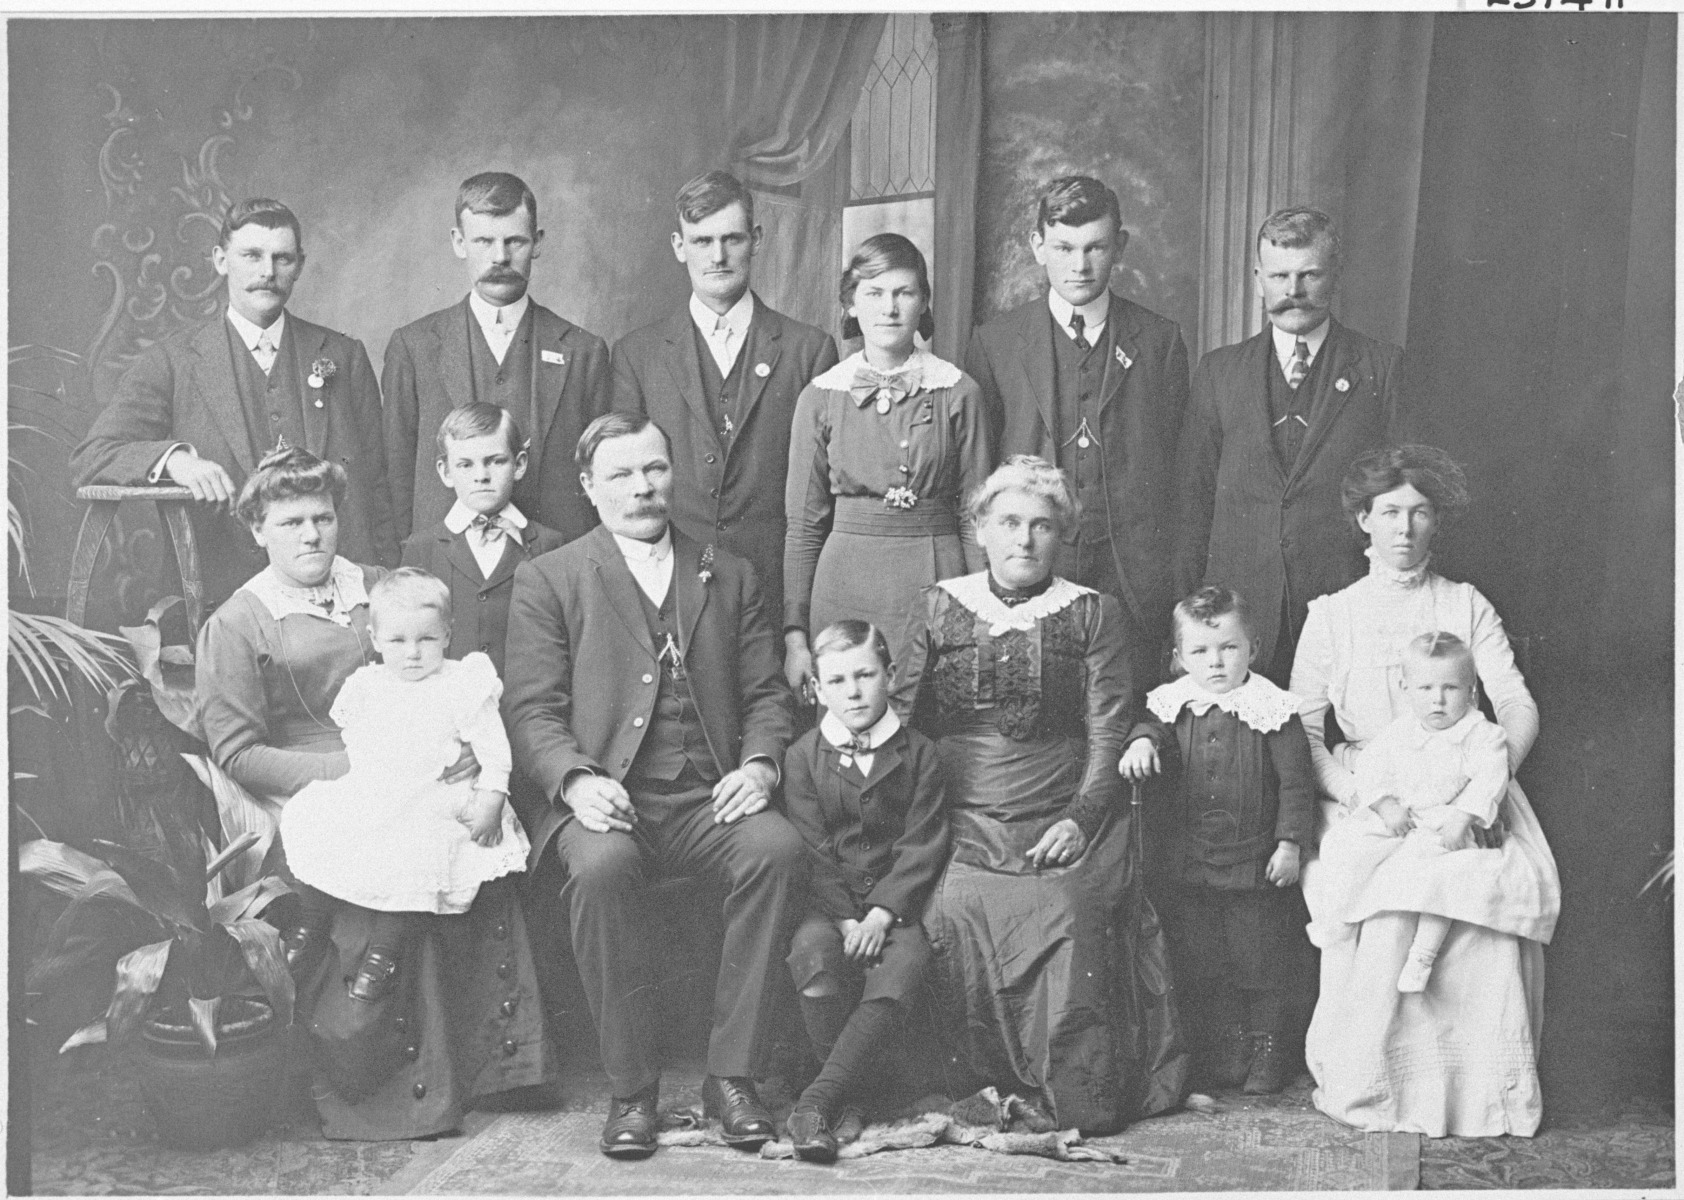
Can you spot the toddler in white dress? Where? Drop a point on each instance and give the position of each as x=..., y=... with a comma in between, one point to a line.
x=390, y=835
x=1429, y=787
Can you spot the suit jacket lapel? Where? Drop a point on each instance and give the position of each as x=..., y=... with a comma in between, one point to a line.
x=686, y=372
x=549, y=378
x=514, y=553
x=690, y=594
x=219, y=391
x=619, y=586
x=307, y=348
x=1035, y=359
x=760, y=349
x=462, y=558
x=455, y=371
x=1339, y=367
x=885, y=760
x=1122, y=334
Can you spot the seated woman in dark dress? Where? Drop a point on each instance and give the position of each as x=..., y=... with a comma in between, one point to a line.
x=463, y=1018
x=1050, y=967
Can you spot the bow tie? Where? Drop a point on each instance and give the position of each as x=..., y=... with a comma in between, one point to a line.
x=492, y=526
x=894, y=386
x=860, y=743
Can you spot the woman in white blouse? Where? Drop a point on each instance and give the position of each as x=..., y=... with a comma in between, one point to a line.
x=1459, y=1059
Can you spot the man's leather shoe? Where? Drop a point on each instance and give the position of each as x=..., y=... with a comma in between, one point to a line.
x=747, y=1124
x=1270, y=1067
x=1230, y=1060
x=301, y=945
x=811, y=1135
x=629, y=1131
x=374, y=976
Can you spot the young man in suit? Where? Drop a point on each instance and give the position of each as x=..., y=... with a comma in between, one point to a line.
x=646, y=700
x=1096, y=383
x=203, y=406
x=721, y=375
x=1273, y=424
x=497, y=346
x=485, y=536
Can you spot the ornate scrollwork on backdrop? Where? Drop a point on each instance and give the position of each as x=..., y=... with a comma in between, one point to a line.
x=163, y=281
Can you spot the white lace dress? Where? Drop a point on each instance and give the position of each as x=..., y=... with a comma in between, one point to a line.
x=1459, y=1059
x=386, y=834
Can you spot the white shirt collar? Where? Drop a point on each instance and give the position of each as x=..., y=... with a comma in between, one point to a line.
x=249, y=333
x=838, y=734
x=638, y=551
x=736, y=318
x=486, y=314
x=1285, y=341
x=461, y=516
x=1094, y=313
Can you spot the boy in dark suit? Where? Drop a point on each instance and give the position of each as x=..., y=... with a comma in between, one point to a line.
x=480, y=541
x=865, y=792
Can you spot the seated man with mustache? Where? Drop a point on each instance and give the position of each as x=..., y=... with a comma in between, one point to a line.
x=495, y=346
x=202, y=407
x=1272, y=425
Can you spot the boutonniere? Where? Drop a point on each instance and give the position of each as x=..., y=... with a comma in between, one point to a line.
x=1341, y=384
x=1124, y=359
x=706, y=573
x=900, y=497
x=322, y=370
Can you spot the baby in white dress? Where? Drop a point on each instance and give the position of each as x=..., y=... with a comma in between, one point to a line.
x=1426, y=785
x=390, y=835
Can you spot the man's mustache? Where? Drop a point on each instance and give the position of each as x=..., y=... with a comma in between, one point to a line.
x=502, y=275
x=1289, y=305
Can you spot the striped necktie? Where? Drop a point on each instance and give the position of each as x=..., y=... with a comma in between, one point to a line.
x=1300, y=364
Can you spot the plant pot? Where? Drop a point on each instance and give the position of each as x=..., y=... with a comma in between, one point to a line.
x=200, y=1101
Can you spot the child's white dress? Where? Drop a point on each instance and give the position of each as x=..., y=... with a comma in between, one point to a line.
x=1435, y=774
x=386, y=835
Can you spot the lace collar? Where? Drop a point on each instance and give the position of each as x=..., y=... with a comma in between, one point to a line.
x=344, y=586
x=1258, y=702
x=1380, y=569
x=932, y=372
x=974, y=593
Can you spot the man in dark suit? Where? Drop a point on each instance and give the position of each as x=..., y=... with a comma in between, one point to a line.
x=202, y=407
x=645, y=699
x=1097, y=384
x=721, y=376
x=1273, y=424
x=484, y=536
x=497, y=346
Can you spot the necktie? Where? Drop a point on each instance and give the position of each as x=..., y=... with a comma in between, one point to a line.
x=860, y=743
x=264, y=352
x=1300, y=364
x=490, y=526
x=1078, y=329
x=720, y=345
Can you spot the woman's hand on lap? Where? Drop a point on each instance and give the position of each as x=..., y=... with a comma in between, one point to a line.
x=1140, y=761
x=1059, y=846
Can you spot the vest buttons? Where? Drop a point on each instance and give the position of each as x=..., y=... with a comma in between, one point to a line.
x=708, y=458
x=714, y=492
x=637, y=722
x=419, y=1091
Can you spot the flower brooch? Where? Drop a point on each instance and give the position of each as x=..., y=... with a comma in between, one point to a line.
x=900, y=497
x=322, y=370
x=706, y=573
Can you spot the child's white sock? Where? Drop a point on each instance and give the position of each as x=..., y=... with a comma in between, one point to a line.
x=1430, y=931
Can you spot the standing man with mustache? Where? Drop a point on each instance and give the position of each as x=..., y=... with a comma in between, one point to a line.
x=200, y=408
x=1273, y=424
x=496, y=346
x=721, y=375
x=1097, y=384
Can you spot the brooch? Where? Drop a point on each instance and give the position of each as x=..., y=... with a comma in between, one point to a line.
x=900, y=497
x=1341, y=384
x=322, y=370
x=761, y=370
x=706, y=573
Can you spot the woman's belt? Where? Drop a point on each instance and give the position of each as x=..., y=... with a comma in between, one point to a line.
x=869, y=514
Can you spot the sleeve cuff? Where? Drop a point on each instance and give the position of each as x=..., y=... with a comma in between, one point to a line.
x=777, y=771
x=156, y=474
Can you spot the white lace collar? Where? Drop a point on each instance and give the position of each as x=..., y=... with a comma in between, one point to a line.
x=933, y=372
x=974, y=593
x=1414, y=577
x=344, y=585
x=1258, y=702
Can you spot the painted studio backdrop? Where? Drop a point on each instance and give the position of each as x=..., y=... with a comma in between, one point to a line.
x=1504, y=189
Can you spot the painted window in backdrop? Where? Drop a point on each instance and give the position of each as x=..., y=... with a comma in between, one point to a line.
x=891, y=141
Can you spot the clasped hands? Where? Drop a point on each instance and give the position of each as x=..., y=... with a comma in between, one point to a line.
x=862, y=940
x=602, y=804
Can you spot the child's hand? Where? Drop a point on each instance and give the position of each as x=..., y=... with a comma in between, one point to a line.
x=1453, y=829
x=1282, y=870
x=863, y=941
x=484, y=818
x=1393, y=815
x=1140, y=761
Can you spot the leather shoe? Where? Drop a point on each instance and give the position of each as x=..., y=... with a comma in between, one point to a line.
x=301, y=945
x=1270, y=1067
x=1230, y=1062
x=374, y=976
x=746, y=1123
x=811, y=1135
x=629, y=1131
